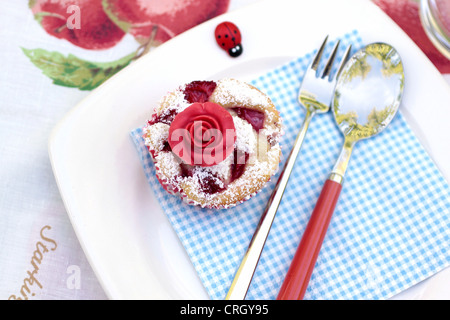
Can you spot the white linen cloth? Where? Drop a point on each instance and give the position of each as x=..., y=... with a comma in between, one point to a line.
x=40, y=256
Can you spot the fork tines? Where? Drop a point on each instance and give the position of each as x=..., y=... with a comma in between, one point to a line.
x=328, y=66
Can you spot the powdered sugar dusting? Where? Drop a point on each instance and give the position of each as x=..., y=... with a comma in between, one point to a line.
x=231, y=92
x=156, y=135
x=222, y=169
x=168, y=164
x=214, y=187
x=245, y=135
x=174, y=101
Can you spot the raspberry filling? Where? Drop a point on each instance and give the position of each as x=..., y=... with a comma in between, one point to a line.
x=166, y=117
x=254, y=117
x=238, y=166
x=199, y=91
x=211, y=184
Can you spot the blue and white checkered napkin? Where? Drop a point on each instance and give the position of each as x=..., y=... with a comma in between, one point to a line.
x=390, y=230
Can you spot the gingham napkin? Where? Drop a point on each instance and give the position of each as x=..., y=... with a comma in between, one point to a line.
x=390, y=229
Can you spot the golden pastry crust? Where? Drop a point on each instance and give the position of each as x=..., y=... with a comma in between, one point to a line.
x=262, y=149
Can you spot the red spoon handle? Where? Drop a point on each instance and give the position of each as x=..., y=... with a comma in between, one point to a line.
x=301, y=268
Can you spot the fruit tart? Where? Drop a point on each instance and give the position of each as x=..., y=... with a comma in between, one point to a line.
x=214, y=143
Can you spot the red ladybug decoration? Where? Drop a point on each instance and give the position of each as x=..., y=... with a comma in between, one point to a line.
x=228, y=37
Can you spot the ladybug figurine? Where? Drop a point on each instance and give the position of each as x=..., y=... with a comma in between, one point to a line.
x=228, y=37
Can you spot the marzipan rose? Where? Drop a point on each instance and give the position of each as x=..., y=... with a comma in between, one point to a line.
x=203, y=134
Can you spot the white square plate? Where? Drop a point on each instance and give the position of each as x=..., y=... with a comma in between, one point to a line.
x=120, y=225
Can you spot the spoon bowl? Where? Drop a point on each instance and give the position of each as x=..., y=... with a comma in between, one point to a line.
x=367, y=96
x=368, y=91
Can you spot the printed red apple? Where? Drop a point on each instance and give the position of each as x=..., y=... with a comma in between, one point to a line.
x=172, y=17
x=406, y=14
x=91, y=29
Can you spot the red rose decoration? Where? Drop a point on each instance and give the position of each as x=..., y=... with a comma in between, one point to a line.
x=203, y=134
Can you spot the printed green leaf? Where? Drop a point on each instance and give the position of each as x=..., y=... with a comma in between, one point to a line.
x=74, y=72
